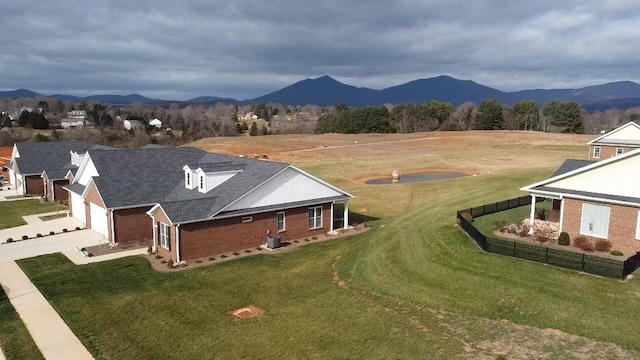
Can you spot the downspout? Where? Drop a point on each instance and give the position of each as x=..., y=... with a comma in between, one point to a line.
x=155, y=235
x=178, y=243
x=113, y=228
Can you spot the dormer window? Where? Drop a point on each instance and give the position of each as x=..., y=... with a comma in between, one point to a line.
x=201, y=182
x=189, y=179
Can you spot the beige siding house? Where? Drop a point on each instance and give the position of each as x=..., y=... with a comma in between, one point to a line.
x=614, y=143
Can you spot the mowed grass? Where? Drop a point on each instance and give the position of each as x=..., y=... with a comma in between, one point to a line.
x=15, y=341
x=414, y=286
x=11, y=212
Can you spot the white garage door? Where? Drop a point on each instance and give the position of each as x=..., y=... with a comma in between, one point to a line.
x=19, y=186
x=77, y=208
x=98, y=219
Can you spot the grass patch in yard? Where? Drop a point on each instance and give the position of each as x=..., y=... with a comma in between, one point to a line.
x=487, y=224
x=11, y=212
x=15, y=341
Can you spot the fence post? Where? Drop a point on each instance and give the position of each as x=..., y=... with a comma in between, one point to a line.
x=514, y=248
x=546, y=256
x=484, y=209
x=582, y=262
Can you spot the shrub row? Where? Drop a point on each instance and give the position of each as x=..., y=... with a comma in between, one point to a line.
x=39, y=235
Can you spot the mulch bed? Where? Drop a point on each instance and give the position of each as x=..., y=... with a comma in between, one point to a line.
x=159, y=263
x=104, y=249
x=52, y=217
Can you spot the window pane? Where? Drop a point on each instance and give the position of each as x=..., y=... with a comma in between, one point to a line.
x=595, y=220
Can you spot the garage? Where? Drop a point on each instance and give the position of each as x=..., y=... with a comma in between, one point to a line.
x=98, y=219
x=77, y=208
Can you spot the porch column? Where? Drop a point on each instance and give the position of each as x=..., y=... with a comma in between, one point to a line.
x=561, y=215
x=333, y=219
x=346, y=215
x=533, y=214
x=155, y=234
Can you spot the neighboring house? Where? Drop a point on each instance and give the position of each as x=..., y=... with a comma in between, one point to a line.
x=597, y=199
x=616, y=142
x=72, y=123
x=40, y=169
x=156, y=123
x=192, y=204
x=133, y=124
x=75, y=118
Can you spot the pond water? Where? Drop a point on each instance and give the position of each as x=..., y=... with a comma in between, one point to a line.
x=415, y=178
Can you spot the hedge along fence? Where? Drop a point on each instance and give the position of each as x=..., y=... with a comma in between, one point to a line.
x=570, y=260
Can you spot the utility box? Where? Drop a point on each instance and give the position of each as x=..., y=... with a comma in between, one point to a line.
x=273, y=242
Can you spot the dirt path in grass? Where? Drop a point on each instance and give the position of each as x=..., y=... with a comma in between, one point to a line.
x=492, y=339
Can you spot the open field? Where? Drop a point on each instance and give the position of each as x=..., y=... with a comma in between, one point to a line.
x=414, y=286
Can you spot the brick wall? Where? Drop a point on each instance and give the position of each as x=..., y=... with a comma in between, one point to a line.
x=607, y=152
x=35, y=185
x=170, y=253
x=203, y=239
x=622, y=224
x=133, y=226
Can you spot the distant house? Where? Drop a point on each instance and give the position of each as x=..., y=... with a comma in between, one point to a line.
x=133, y=124
x=75, y=118
x=156, y=123
x=617, y=142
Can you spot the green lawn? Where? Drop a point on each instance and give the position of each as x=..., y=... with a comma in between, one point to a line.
x=11, y=212
x=14, y=337
x=487, y=224
x=414, y=286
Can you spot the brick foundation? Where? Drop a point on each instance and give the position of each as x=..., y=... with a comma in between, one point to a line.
x=622, y=224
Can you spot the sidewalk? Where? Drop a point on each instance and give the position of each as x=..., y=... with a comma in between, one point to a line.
x=50, y=333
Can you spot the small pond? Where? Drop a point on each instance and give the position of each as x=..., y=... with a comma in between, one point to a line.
x=415, y=178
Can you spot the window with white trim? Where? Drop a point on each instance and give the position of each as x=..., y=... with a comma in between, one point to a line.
x=315, y=217
x=189, y=178
x=595, y=220
x=619, y=151
x=596, y=152
x=282, y=225
x=202, y=182
x=638, y=227
x=165, y=236
x=247, y=219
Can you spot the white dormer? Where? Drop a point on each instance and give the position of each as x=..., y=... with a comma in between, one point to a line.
x=76, y=159
x=189, y=178
x=208, y=181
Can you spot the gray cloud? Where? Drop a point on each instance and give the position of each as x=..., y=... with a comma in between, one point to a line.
x=245, y=48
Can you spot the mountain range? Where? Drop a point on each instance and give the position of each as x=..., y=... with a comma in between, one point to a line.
x=326, y=91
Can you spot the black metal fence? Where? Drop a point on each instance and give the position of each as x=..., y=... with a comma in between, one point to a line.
x=566, y=259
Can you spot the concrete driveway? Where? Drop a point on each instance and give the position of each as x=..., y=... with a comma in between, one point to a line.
x=64, y=242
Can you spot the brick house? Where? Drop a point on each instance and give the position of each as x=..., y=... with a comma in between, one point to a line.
x=41, y=169
x=616, y=142
x=192, y=204
x=599, y=199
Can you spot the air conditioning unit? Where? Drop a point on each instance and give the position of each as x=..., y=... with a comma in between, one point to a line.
x=273, y=242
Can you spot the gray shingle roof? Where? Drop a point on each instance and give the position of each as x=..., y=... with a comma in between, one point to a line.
x=570, y=165
x=76, y=188
x=38, y=157
x=58, y=174
x=139, y=177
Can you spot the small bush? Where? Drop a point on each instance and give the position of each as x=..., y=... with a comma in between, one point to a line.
x=77, y=227
x=198, y=261
x=564, y=239
x=10, y=240
x=150, y=249
x=524, y=231
x=603, y=245
x=583, y=243
x=24, y=237
x=307, y=240
x=52, y=233
x=259, y=248
x=38, y=235
x=247, y=251
x=314, y=238
x=170, y=263
x=236, y=253
x=211, y=258
x=501, y=224
x=617, y=253
x=295, y=241
x=158, y=256
x=467, y=217
x=223, y=256
x=64, y=230
x=164, y=261
x=541, y=214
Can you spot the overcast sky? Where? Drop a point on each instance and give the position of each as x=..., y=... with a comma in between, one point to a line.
x=246, y=48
